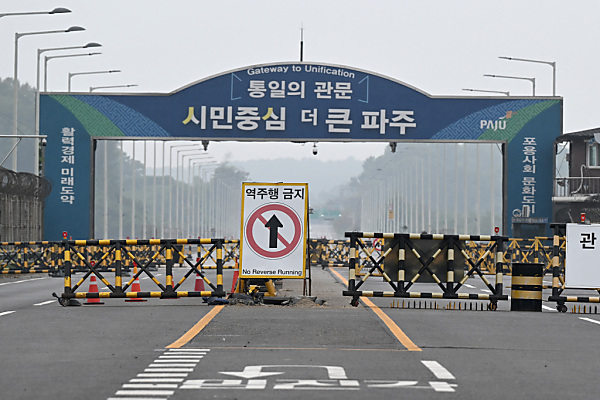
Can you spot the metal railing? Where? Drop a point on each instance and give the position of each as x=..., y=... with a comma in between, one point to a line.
x=21, y=200
x=577, y=186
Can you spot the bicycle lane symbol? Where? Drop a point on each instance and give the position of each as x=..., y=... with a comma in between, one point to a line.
x=270, y=248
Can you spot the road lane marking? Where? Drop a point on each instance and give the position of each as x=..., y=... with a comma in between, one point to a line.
x=196, y=329
x=45, y=302
x=443, y=386
x=197, y=351
x=395, y=329
x=137, y=398
x=160, y=381
x=168, y=369
x=145, y=392
x=182, y=356
x=590, y=320
x=285, y=377
x=150, y=386
x=6, y=313
x=147, y=277
x=171, y=365
x=438, y=370
x=24, y=280
x=255, y=371
x=549, y=308
x=469, y=286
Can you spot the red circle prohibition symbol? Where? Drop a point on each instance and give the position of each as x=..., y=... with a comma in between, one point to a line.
x=289, y=246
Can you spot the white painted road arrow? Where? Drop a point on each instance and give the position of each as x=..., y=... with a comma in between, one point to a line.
x=255, y=371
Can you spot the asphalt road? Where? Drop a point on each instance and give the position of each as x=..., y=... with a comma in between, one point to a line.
x=184, y=349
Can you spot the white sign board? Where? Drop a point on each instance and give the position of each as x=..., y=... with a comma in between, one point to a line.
x=582, y=259
x=273, y=237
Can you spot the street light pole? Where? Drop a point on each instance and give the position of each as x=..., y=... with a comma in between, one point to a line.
x=48, y=58
x=58, y=10
x=72, y=74
x=15, y=74
x=181, y=210
x=171, y=185
x=40, y=51
x=92, y=88
x=532, y=80
x=191, y=211
x=197, y=214
x=550, y=63
x=488, y=91
x=37, y=84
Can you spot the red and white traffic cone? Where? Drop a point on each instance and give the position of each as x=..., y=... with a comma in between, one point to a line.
x=199, y=285
x=135, y=287
x=236, y=275
x=93, y=289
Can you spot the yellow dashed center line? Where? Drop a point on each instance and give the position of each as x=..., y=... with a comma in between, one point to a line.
x=395, y=329
x=196, y=329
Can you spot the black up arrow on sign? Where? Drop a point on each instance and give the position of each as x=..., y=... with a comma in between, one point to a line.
x=273, y=224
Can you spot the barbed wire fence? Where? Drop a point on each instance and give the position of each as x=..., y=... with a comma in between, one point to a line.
x=21, y=202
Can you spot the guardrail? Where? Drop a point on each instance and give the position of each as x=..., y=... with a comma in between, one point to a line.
x=401, y=244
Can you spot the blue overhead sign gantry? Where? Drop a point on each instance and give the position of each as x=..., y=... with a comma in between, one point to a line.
x=297, y=102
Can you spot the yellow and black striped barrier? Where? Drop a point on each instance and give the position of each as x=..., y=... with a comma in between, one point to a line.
x=334, y=253
x=446, y=248
x=329, y=252
x=28, y=257
x=526, y=287
x=231, y=254
x=122, y=250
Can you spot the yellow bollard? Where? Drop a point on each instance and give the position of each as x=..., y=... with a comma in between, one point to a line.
x=271, y=292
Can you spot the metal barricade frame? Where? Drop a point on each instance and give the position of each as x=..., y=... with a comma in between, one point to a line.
x=121, y=249
x=449, y=287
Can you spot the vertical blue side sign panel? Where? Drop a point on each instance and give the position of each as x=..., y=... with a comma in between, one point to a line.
x=67, y=166
x=296, y=102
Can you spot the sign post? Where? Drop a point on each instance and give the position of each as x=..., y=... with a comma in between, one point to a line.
x=273, y=235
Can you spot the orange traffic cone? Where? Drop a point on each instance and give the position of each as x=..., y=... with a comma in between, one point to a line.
x=93, y=289
x=135, y=287
x=199, y=286
x=236, y=275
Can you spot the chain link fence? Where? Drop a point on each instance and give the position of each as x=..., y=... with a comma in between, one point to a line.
x=21, y=202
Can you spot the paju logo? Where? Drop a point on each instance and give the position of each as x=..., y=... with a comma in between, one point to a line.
x=499, y=124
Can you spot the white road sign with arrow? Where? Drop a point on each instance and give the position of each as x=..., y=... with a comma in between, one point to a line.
x=273, y=236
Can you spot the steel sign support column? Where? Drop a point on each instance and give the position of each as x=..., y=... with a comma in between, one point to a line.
x=162, y=201
x=144, y=201
x=92, y=204
x=466, y=192
x=132, y=190
x=154, y=230
x=121, y=156
x=105, y=142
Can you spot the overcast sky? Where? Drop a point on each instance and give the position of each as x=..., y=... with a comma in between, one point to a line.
x=440, y=47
